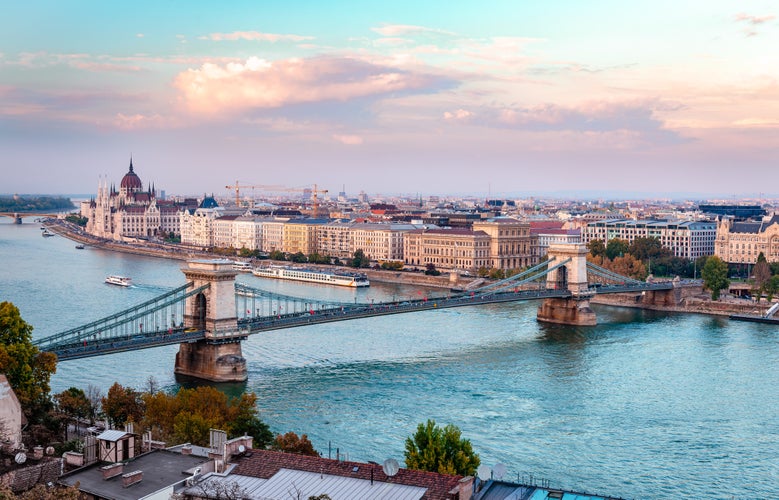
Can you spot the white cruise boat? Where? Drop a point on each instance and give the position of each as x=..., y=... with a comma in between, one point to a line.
x=118, y=280
x=241, y=266
x=312, y=276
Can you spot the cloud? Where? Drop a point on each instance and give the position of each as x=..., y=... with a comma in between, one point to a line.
x=255, y=36
x=394, y=30
x=139, y=35
x=460, y=114
x=139, y=121
x=262, y=84
x=753, y=20
x=349, y=140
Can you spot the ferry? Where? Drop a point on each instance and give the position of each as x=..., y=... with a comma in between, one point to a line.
x=79, y=247
x=46, y=233
x=243, y=267
x=312, y=276
x=118, y=280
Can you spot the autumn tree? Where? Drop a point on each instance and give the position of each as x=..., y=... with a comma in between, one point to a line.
x=441, y=450
x=292, y=443
x=122, y=405
x=762, y=272
x=74, y=404
x=28, y=370
x=616, y=247
x=715, y=276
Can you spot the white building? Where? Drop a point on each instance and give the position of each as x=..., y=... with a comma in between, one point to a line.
x=684, y=238
x=197, y=225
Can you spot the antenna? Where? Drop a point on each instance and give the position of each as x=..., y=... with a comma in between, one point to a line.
x=484, y=472
x=390, y=467
x=499, y=470
x=241, y=448
x=20, y=457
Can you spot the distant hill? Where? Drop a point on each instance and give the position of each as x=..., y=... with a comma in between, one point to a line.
x=25, y=204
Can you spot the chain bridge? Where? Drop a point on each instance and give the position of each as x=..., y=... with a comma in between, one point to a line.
x=211, y=314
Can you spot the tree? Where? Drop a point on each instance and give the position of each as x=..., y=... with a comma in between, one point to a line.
x=298, y=258
x=430, y=270
x=616, y=247
x=122, y=404
x=762, y=272
x=73, y=402
x=715, y=276
x=359, y=259
x=28, y=370
x=434, y=449
x=772, y=287
x=42, y=492
x=648, y=248
x=291, y=443
x=277, y=255
x=597, y=248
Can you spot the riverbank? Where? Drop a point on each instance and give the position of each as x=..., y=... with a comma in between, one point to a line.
x=179, y=252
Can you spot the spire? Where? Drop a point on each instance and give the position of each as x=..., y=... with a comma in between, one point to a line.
x=131, y=162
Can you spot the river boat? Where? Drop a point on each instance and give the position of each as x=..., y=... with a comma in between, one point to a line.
x=79, y=247
x=46, y=233
x=241, y=266
x=118, y=280
x=313, y=276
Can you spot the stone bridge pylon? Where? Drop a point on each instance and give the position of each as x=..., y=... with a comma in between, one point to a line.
x=572, y=276
x=218, y=357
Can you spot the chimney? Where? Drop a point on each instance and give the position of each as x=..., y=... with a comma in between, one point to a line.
x=186, y=450
x=465, y=487
x=37, y=452
x=131, y=478
x=112, y=470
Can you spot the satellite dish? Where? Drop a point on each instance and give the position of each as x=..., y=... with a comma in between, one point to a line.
x=498, y=471
x=390, y=467
x=484, y=472
x=50, y=450
x=241, y=448
x=20, y=458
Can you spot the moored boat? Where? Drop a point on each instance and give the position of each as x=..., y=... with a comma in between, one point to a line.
x=241, y=266
x=79, y=247
x=118, y=280
x=46, y=233
x=313, y=276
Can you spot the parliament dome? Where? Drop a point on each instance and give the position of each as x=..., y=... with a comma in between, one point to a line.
x=131, y=182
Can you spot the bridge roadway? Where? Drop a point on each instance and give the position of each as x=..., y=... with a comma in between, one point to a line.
x=252, y=325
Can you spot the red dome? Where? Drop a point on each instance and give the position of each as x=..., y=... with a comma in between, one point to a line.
x=130, y=181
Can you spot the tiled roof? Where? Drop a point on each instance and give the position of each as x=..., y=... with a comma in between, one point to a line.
x=265, y=464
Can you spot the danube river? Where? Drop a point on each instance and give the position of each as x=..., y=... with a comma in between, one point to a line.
x=645, y=405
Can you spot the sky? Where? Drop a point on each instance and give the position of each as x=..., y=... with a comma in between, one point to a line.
x=427, y=97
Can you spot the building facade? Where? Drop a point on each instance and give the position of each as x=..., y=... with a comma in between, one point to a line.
x=511, y=243
x=684, y=238
x=447, y=249
x=742, y=242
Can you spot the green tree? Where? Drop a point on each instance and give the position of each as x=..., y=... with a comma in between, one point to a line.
x=441, y=450
x=772, y=287
x=715, y=276
x=430, y=270
x=647, y=248
x=616, y=247
x=298, y=257
x=73, y=403
x=597, y=248
x=277, y=255
x=359, y=259
x=28, y=370
x=762, y=272
x=292, y=443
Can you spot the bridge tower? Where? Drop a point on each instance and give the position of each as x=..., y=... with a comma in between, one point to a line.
x=572, y=276
x=218, y=357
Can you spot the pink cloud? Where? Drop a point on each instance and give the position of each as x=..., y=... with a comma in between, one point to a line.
x=258, y=83
x=754, y=20
x=255, y=36
x=408, y=29
x=349, y=140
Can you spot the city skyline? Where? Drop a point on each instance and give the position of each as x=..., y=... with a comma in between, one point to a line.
x=488, y=99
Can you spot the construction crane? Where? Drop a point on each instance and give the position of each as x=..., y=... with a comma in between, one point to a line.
x=238, y=186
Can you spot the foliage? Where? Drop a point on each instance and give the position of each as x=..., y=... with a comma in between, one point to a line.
x=172, y=237
x=597, y=248
x=626, y=265
x=77, y=219
x=441, y=450
x=430, y=270
x=188, y=415
x=277, y=255
x=496, y=274
x=42, y=492
x=245, y=252
x=122, y=404
x=317, y=258
x=291, y=443
x=73, y=403
x=616, y=247
x=482, y=272
x=772, y=287
x=27, y=369
x=298, y=257
x=359, y=259
x=715, y=276
x=648, y=248
x=34, y=203
x=392, y=265
x=762, y=272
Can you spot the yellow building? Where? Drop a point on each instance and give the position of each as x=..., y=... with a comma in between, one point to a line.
x=447, y=249
x=742, y=242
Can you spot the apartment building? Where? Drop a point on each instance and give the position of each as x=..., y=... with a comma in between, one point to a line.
x=379, y=241
x=300, y=235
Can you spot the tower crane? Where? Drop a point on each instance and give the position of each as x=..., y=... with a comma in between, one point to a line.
x=238, y=186
x=315, y=192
